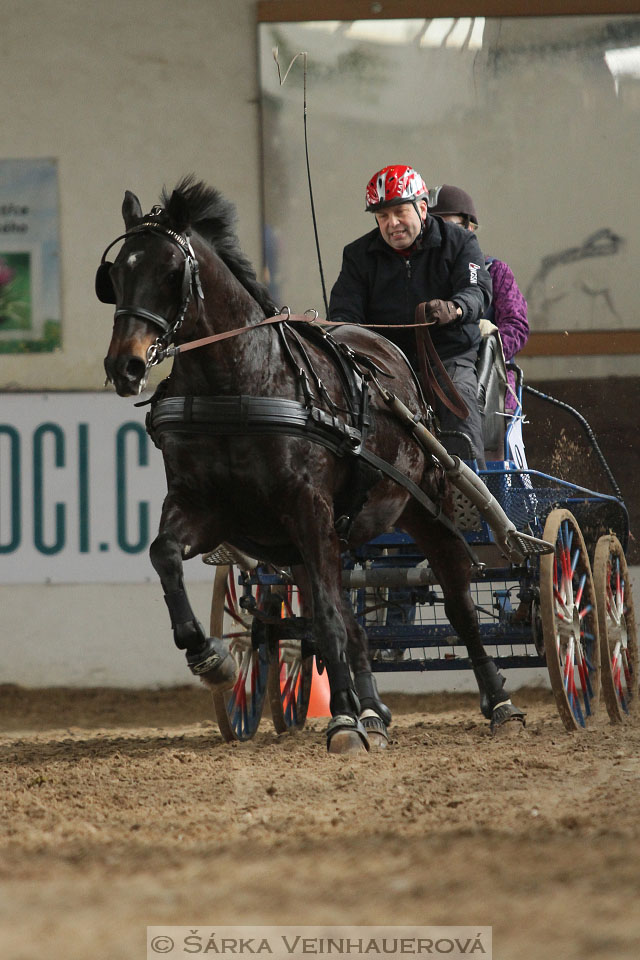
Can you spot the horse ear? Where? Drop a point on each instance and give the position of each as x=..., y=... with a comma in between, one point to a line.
x=131, y=209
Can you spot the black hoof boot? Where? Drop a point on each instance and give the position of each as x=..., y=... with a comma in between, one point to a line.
x=213, y=664
x=376, y=730
x=495, y=704
x=504, y=713
x=367, y=691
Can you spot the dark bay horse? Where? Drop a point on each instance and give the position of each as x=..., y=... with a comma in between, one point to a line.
x=180, y=276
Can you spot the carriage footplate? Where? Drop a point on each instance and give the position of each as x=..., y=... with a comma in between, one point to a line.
x=346, y=734
x=214, y=664
x=226, y=555
x=518, y=544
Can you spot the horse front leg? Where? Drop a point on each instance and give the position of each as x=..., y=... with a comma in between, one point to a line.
x=318, y=543
x=452, y=567
x=207, y=657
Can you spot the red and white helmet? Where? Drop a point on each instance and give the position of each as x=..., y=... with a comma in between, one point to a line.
x=395, y=184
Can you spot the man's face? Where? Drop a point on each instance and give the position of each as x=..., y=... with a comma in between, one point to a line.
x=400, y=225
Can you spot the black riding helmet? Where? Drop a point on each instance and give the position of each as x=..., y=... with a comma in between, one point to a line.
x=448, y=201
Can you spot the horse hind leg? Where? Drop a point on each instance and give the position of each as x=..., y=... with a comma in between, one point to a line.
x=452, y=568
x=207, y=657
x=495, y=702
x=374, y=714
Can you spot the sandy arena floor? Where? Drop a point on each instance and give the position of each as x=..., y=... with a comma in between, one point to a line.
x=125, y=809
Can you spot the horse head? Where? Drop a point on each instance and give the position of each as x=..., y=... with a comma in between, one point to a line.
x=153, y=281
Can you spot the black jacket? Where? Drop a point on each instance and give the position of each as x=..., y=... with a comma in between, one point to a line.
x=378, y=285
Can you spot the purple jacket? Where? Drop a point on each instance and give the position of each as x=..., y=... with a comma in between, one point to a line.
x=509, y=315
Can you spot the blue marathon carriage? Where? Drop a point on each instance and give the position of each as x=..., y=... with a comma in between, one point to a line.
x=569, y=610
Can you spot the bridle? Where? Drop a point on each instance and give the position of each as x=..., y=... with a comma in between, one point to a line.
x=191, y=287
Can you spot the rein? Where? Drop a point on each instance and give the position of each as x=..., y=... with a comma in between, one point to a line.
x=285, y=316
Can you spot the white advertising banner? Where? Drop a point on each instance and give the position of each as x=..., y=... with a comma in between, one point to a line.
x=81, y=489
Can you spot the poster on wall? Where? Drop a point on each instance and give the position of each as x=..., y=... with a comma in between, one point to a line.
x=29, y=256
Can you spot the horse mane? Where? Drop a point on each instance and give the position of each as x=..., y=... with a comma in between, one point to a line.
x=194, y=204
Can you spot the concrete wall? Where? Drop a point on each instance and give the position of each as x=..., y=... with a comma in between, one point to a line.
x=130, y=94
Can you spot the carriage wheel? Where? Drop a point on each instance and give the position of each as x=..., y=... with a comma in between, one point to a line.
x=570, y=621
x=238, y=713
x=290, y=676
x=617, y=623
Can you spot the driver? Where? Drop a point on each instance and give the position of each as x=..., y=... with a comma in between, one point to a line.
x=411, y=257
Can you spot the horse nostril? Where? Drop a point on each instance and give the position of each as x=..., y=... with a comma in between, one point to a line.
x=134, y=369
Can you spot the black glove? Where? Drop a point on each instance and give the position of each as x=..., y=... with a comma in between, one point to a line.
x=441, y=311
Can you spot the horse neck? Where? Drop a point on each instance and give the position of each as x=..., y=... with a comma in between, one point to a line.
x=244, y=364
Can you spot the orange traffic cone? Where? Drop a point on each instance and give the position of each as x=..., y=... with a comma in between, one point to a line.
x=320, y=694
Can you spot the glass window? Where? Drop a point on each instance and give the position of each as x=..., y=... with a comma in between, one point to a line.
x=536, y=117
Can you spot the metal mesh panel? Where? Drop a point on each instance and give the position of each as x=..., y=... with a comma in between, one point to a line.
x=525, y=502
x=409, y=631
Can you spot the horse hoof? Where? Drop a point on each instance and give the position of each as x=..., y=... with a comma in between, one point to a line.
x=214, y=665
x=507, y=720
x=377, y=741
x=346, y=735
x=346, y=742
x=376, y=730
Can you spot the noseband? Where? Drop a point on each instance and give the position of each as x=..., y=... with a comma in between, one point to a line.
x=191, y=286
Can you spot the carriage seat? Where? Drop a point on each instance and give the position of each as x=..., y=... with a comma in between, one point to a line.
x=492, y=381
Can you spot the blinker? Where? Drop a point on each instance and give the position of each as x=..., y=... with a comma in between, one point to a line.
x=104, y=287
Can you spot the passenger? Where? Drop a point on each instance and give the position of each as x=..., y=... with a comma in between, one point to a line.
x=409, y=258
x=509, y=308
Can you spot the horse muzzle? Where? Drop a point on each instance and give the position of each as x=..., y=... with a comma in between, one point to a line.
x=126, y=373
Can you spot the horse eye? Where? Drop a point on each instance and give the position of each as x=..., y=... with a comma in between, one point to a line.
x=174, y=279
